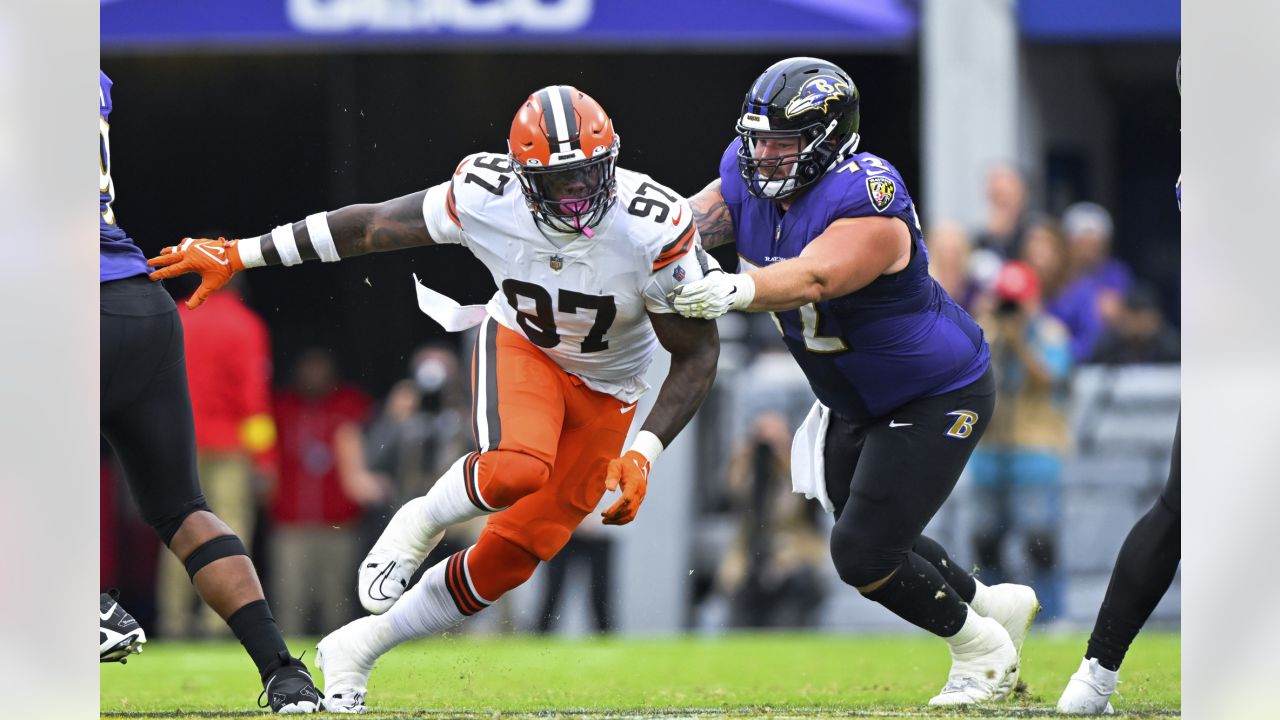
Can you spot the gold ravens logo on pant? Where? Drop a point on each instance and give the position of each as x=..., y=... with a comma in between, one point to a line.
x=963, y=425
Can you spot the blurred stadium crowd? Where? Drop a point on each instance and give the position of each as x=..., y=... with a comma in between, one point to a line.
x=308, y=467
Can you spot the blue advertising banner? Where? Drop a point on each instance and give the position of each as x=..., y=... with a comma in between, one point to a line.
x=1100, y=19
x=740, y=24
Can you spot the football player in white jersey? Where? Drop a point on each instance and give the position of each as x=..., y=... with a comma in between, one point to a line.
x=585, y=256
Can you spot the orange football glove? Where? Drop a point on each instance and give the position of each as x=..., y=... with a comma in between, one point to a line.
x=631, y=473
x=215, y=260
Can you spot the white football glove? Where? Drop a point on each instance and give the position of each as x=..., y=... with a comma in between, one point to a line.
x=714, y=295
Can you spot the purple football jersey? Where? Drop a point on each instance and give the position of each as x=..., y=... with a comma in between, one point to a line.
x=118, y=257
x=869, y=352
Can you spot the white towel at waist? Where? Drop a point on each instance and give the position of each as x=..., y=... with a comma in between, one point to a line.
x=446, y=311
x=807, y=471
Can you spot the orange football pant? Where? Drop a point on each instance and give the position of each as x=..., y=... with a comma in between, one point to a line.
x=545, y=442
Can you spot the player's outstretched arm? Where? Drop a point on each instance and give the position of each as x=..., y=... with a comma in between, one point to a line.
x=715, y=224
x=353, y=230
x=847, y=256
x=695, y=349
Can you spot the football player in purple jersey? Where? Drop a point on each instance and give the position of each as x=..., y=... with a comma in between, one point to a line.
x=146, y=416
x=1144, y=570
x=829, y=242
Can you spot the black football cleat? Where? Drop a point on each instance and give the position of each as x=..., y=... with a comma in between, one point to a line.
x=119, y=635
x=288, y=689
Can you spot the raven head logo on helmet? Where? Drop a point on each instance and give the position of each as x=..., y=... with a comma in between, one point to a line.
x=799, y=119
x=565, y=153
x=816, y=93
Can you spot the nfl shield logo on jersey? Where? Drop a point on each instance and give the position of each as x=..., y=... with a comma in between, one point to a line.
x=557, y=262
x=881, y=190
x=678, y=274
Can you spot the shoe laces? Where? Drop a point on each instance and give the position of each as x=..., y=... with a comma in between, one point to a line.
x=357, y=698
x=282, y=661
x=962, y=683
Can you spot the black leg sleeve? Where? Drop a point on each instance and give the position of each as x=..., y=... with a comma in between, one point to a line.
x=1144, y=570
x=929, y=549
x=918, y=594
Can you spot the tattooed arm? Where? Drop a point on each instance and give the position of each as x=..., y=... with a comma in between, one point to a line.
x=715, y=224
x=358, y=230
x=352, y=230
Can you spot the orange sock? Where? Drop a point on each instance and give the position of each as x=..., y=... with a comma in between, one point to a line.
x=497, y=566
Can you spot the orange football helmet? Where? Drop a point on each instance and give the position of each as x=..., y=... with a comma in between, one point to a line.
x=565, y=153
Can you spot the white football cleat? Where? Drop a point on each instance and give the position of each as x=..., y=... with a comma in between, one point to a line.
x=981, y=667
x=346, y=677
x=386, y=571
x=1015, y=607
x=1089, y=690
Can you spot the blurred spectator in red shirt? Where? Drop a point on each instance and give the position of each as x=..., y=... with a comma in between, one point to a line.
x=229, y=373
x=319, y=498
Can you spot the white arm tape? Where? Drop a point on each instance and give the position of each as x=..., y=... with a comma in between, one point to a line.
x=282, y=237
x=648, y=445
x=321, y=237
x=251, y=252
x=746, y=291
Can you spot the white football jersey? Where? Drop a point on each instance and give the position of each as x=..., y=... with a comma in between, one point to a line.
x=582, y=300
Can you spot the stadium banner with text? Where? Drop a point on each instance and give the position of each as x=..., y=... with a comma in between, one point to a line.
x=740, y=24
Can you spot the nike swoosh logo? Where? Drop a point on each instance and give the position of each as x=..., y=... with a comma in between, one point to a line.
x=627, y=409
x=215, y=258
x=679, y=215
x=895, y=423
x=376, y=583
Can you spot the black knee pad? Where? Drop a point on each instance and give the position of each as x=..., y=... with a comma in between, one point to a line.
x=166, y=526
x=216, y=549
x=1042, y=550
x=859, y=562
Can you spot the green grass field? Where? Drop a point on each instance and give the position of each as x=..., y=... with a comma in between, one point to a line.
x=756, y=676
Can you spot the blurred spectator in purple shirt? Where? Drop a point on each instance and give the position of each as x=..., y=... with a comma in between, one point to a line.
x=1096, y=282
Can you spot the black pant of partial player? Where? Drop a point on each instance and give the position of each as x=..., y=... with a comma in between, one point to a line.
x=1144, y=570
x=146, y=408
x=146, y=417
x=887, y=479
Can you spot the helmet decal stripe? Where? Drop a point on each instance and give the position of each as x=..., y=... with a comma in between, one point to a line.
x=557, y=129
x=570, y=119
x=768, y=91
x=544, y=105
